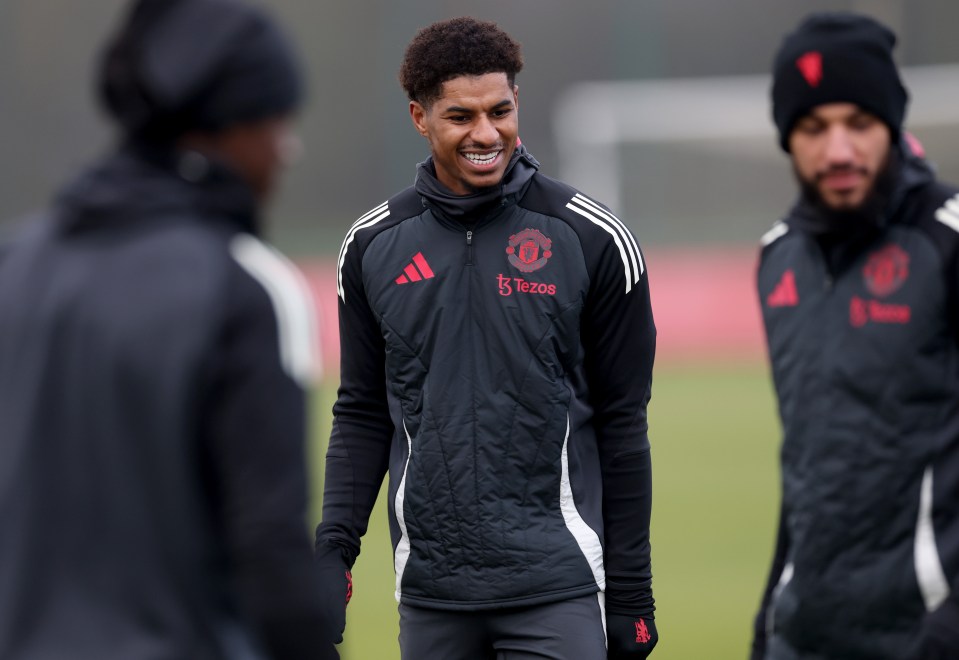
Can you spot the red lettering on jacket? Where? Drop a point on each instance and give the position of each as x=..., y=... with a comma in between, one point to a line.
x=507, y=285
x=862, y=312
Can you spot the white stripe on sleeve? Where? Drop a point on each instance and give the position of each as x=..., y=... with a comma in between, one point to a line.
x=778, y=230
x=948, y=213
x=292, y=304
x=627, y=269
x=631, y=246
x=368, y=220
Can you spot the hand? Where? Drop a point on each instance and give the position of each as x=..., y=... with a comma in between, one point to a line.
x=939, y=635
x=630, y=638
x=337, y=589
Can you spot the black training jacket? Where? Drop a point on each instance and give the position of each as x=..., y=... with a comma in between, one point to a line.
x=497, y=352
x=152, y=482
x=864, y=344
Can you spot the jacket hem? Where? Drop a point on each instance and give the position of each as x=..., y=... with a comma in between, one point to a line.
x=499, y=603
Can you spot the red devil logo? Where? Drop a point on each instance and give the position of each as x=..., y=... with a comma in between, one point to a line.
x=642, y=632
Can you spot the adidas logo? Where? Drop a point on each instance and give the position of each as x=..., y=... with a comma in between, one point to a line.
x=784, y=294
x=416, y=270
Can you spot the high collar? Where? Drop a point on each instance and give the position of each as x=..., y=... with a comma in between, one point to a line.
x=908, y=173
x=143, y=182
x=478, y=205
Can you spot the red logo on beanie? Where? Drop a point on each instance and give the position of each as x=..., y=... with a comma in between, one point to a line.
x=810, y=66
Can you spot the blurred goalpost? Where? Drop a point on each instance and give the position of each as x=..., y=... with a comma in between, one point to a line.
x=594, y=120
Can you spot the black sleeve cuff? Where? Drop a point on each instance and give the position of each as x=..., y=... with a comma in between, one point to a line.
x=630, y=597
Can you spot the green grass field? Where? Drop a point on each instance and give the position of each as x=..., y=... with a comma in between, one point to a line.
x=715, y=439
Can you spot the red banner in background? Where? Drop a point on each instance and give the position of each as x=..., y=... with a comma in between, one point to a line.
x=704, y=304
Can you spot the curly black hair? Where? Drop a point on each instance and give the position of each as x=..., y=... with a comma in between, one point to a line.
x=456, y=47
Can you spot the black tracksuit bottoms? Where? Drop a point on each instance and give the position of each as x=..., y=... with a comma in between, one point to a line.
x=572, y=629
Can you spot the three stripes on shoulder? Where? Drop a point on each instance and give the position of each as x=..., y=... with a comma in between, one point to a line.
x=633, y=265
x=366, y=220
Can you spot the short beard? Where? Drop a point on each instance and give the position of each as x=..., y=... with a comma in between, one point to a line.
x=869, y=214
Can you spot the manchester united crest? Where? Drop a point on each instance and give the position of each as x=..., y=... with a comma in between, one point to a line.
x=529, y=250
x=886, y=270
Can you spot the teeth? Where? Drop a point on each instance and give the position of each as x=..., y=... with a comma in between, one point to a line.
x=483, y=159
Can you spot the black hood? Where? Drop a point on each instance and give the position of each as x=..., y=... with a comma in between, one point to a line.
x=907, y=172
x=143, y=183
x=522, y=166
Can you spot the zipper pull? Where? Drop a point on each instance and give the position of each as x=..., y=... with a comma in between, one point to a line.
x=469, y=238
x=469, y=248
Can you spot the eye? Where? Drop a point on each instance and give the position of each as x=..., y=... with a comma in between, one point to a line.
x=502, y=112
x=809, y=126
x=862, y=121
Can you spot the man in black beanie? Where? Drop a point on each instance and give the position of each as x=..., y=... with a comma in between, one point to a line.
x=155, y=359
x=859, y=288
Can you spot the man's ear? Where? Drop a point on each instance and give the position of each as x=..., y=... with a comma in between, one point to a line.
x=418, y=115
x=516, y=96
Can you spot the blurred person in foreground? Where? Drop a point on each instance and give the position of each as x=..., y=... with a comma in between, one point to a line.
x=859, y=287
x=497, y=347
x=153, y=359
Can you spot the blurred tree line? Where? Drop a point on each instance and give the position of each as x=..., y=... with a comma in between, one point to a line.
x=360, y=146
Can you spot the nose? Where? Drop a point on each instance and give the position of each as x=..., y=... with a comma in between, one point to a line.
x=484, y=132
x=839, y=146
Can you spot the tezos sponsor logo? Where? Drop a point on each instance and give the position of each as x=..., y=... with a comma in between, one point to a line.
x=509, y=285
x=862, y=312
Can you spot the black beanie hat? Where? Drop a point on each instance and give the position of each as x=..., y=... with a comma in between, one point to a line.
x=837, y=58
x=181, y=65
